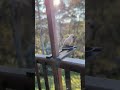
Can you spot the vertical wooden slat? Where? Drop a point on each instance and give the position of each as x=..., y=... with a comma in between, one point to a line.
x=68, y=80
x=82, y=79
x=57, y=77
x=38, y=76
x=54, y=43
x=45, y=71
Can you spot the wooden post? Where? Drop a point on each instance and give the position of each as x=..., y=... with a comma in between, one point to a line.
x=54, y=43
x=52, y=27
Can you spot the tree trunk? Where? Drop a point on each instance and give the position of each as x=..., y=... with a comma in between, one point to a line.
x=41, y=40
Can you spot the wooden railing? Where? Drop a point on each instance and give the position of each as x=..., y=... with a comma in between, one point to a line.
x=68, y=64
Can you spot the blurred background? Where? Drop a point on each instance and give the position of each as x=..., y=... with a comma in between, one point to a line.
x=17, y=33
x=102, y=30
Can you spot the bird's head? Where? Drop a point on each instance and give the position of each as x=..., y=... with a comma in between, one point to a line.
x=73, y=36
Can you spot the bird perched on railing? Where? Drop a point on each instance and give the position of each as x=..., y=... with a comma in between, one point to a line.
x=69, y=41
x=68, y=44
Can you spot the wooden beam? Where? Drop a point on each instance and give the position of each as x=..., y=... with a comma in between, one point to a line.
x=52, y=27
x=54, y=43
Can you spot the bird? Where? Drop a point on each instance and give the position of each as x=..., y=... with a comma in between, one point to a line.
x=67, y=44
x=69, y=41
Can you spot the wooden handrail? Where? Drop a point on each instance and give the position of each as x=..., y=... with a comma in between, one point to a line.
x=72, y=64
